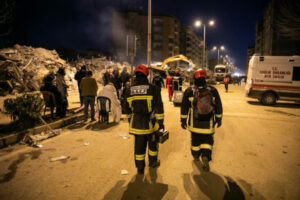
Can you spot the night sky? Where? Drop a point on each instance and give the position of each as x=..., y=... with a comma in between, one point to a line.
x=83, y=24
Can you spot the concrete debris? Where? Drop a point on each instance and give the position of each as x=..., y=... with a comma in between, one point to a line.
x=125, y=137
x=59, y=158
x=124, y=172
x=23, y=68
x=33, y=140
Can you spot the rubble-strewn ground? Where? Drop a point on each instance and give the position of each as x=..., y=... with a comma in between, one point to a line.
x=256, y=157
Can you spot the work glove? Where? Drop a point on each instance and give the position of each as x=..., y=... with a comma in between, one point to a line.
x=219, y=122
x=183, y=123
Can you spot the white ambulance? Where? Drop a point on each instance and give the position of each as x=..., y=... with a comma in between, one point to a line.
x=272, y=78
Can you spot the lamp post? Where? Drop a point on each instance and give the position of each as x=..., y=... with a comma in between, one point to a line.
x=149, y=35
x=219, y=48
x=198, y=24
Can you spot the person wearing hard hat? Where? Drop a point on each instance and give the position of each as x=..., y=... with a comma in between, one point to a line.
x=177, y=81
x=145, y=113
x=201, y=109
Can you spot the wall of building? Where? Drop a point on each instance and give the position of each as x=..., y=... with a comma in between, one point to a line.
x=168, y=38
x=269, y=38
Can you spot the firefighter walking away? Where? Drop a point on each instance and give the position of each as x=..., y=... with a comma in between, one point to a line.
x=144, y=109
x=201, y=110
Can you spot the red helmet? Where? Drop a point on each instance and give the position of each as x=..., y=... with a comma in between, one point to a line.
x=200, y=73
x=141, y=68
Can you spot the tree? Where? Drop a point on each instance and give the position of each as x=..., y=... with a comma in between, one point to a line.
x=289, y=22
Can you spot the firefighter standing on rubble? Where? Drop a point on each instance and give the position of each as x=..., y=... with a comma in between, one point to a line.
x=144, y=109
x=201, y=122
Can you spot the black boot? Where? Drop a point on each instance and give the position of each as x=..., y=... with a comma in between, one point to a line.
x=205, y=163
x=140, y=171
x=196, y=158
x=154, y=164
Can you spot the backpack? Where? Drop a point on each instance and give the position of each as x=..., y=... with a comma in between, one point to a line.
x=203, y=105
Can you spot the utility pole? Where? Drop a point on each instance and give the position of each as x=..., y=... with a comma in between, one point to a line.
x=203, y=60
x=131, y=50
x=149, y=38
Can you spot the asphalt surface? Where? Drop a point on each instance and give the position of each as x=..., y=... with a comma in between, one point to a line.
x=255, y=156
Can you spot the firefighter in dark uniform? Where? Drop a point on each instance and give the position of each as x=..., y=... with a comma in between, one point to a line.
x=177, y=81
x=202, y=129
x=144, y=109
x=158, y=81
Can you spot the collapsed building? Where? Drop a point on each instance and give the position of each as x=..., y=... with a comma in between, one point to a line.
x=22, y=68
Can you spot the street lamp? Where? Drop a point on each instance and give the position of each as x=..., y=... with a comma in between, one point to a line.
x=198, y=23
x=222, y=48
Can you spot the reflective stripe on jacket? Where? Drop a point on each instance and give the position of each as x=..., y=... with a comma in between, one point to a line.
x=195, y=125
x=177, y=83
x=144, y=107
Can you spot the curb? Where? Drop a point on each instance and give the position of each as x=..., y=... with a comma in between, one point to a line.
x=17, y=137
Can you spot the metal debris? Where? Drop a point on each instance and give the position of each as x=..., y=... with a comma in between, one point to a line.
x=59, y=158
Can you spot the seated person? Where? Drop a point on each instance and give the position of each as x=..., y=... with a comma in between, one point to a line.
x=50, y=87
x=110, y=92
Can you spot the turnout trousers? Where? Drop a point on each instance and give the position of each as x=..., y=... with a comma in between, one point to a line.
x=202, y=145
x=140, y=146
x=226, y=87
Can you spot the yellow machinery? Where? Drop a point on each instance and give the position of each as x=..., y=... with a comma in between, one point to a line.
x=172, y=59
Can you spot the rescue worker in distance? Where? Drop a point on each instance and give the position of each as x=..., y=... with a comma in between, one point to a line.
x=144, y=109
x=177, y=81
x=202, y=108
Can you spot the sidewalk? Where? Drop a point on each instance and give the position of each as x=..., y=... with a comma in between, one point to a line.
x=14, y=137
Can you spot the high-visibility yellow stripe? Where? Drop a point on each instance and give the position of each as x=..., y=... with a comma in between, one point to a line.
x=219, y=115
x=128, y=115
x=149, y=105
x=140, y=155
x=143, y=131
x=183, y=116
x=200, y=130
x=191, y=99
x=210, y=130
x=160, y=116
x=205, y=146
x=195, y=148
x=148, y=98
x=153, y=153
x=139, y=98
x=130, y=103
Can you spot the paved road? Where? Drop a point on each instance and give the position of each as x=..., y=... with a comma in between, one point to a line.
x=256, y=156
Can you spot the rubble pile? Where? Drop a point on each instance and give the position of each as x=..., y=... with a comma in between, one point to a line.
x=99, y=66
x=22, y=68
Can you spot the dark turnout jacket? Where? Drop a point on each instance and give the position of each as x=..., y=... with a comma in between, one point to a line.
x=176, y=83
x=187, y=108
x=144, y=107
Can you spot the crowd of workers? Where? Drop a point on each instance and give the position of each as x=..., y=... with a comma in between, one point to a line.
x=141, y=102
